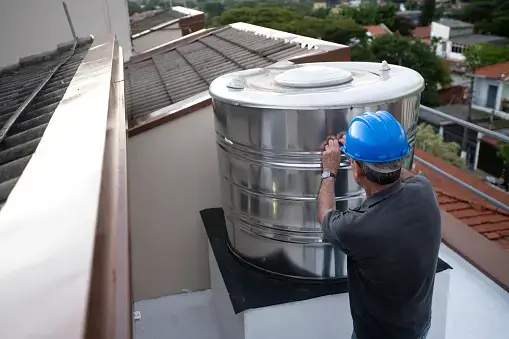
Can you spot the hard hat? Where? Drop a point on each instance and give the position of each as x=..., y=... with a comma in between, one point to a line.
x=376, y=137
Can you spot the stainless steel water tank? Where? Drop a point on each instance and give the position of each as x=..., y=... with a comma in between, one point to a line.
x=270, y=124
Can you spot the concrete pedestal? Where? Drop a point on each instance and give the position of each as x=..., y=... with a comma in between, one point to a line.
x=250, y=304
x=322, y=317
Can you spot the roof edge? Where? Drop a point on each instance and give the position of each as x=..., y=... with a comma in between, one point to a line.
x=44, y=56
x=66, y=190
x=155, y=28
x=170, y=113
x=487, y=257
x=303, y=41
x=188, y=13
x=168, y=46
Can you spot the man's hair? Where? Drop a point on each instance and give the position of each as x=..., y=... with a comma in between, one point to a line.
x=382, y=173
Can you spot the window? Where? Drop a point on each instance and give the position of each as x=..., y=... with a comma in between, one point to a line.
x=457, y=48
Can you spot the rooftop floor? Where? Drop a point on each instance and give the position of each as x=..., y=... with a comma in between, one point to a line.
x=478, y=308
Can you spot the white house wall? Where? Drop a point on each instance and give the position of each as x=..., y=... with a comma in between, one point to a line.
x=157, y=38
x=481, y=90
x=173, y=174
x=32, y=26
x=440, y=31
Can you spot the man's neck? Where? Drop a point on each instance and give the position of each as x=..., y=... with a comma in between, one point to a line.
x=375, y=188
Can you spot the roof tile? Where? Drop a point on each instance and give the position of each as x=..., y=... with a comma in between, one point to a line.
x=495, y=71
x=141, y=23
x=422, y=32
x=179, y=73
x=376, y=30
x=16, y=84
x=464, y=204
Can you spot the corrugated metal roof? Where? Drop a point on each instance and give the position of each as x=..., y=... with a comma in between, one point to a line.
x=452, y=23
x=16, y=85
x=177, y=74
x=478, y=39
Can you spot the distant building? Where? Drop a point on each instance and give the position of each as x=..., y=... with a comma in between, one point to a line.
x=491, y=87
x=456, y=35
x=154, y=28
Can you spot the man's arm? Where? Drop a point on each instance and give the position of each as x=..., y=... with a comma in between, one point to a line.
x=326, y=198
x=336, y=226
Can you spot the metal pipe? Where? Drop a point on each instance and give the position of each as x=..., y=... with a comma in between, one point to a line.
x=485, y=131
x=75, y=37
x=465, y=185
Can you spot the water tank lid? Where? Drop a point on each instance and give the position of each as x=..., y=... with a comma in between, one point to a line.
x=313, y=76
x=321, y=85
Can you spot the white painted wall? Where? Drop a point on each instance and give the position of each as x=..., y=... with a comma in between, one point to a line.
x=157, y=38
x=481, y=86
x=440, y=31
x=32, y=26
x=173, y=174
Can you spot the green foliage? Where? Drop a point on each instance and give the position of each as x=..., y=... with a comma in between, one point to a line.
x=503, y=152
x=432, y=143
x=321, y=13
x=133, y=7
x=412, y=6
x=485, y=54
x=412, y=54
x=371, y=14
x=263, y=16
x=213, y=10
x=330, y=29
x=428, y=12
x=488, y=16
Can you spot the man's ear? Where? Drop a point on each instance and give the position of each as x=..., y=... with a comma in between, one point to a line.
x=357, y=169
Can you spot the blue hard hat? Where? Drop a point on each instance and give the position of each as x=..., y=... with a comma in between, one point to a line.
x=376, y=137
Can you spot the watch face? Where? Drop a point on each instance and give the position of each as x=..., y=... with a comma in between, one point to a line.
x=325, y=175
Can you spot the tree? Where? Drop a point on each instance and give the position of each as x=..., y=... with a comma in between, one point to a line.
x=429, y=141
x=503, y=152
x=321, y=13
x=428, y=12
x=412, y=54
x=485, y=54
x=213, y=10
x=134, y=7
x=371, y=14
x=262, y=16
x=341, y=31
x=488, y=16
x=412, y=6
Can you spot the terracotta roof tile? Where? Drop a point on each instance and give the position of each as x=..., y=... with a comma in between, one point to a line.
x=494, y=225
x=494, y=71
x=465, y=205
x=422, y=32
x=376, y=30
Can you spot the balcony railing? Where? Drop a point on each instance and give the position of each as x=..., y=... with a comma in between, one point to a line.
x=469, y=125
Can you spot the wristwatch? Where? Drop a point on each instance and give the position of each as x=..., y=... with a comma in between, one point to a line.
x=328, y=174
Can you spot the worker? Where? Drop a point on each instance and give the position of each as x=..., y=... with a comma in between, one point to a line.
x=392, y=239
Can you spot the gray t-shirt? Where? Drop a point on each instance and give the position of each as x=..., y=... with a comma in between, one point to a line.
x=392, y=242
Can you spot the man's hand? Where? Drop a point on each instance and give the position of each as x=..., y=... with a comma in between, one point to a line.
x=330, y=156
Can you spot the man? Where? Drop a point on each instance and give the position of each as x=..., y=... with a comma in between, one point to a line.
x=392, y=239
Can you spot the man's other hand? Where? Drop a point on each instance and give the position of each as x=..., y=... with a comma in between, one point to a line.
x=330, y=156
